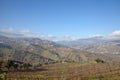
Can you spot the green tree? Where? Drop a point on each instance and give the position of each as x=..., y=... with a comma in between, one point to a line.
x=98, y=60
x=3, y=76
x=26, y=65
x=9, y=64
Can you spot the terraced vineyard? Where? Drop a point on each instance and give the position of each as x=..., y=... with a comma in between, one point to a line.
x=69, y=71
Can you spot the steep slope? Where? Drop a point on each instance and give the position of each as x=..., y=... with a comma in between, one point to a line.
x=31, y=50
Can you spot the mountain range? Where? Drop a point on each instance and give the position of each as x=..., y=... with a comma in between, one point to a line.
x=37, y=51
x=95, y=45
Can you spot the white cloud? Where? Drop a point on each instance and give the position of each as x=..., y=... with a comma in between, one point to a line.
x=42, y=36
x=113, y=35
x=25, y=31
x=50, y=36
x=116, y=33
x=30, y=35
x=7, y=30
x=11, y=32
x=69, y=38
x=96, y=35
x=54, y=38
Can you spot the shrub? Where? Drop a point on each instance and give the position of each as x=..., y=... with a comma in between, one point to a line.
x=3, y=76
x=98, y=60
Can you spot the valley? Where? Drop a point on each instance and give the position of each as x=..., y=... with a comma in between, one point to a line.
x=59, y=39
x=37, y=59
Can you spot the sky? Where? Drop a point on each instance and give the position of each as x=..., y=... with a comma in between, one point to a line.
x=60, y=18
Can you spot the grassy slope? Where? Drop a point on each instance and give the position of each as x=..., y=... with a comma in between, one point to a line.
x=71, y=71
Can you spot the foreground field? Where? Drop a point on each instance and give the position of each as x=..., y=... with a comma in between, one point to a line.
x=70, y=71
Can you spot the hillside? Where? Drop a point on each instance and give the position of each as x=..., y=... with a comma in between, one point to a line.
x=38, y=51
x=95, y=45
x=70, y=71
x=35, y=51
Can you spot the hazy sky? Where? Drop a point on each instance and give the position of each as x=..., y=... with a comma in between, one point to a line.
x=78, y=18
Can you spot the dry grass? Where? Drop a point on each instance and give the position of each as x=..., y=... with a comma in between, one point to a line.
x=70, y=71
